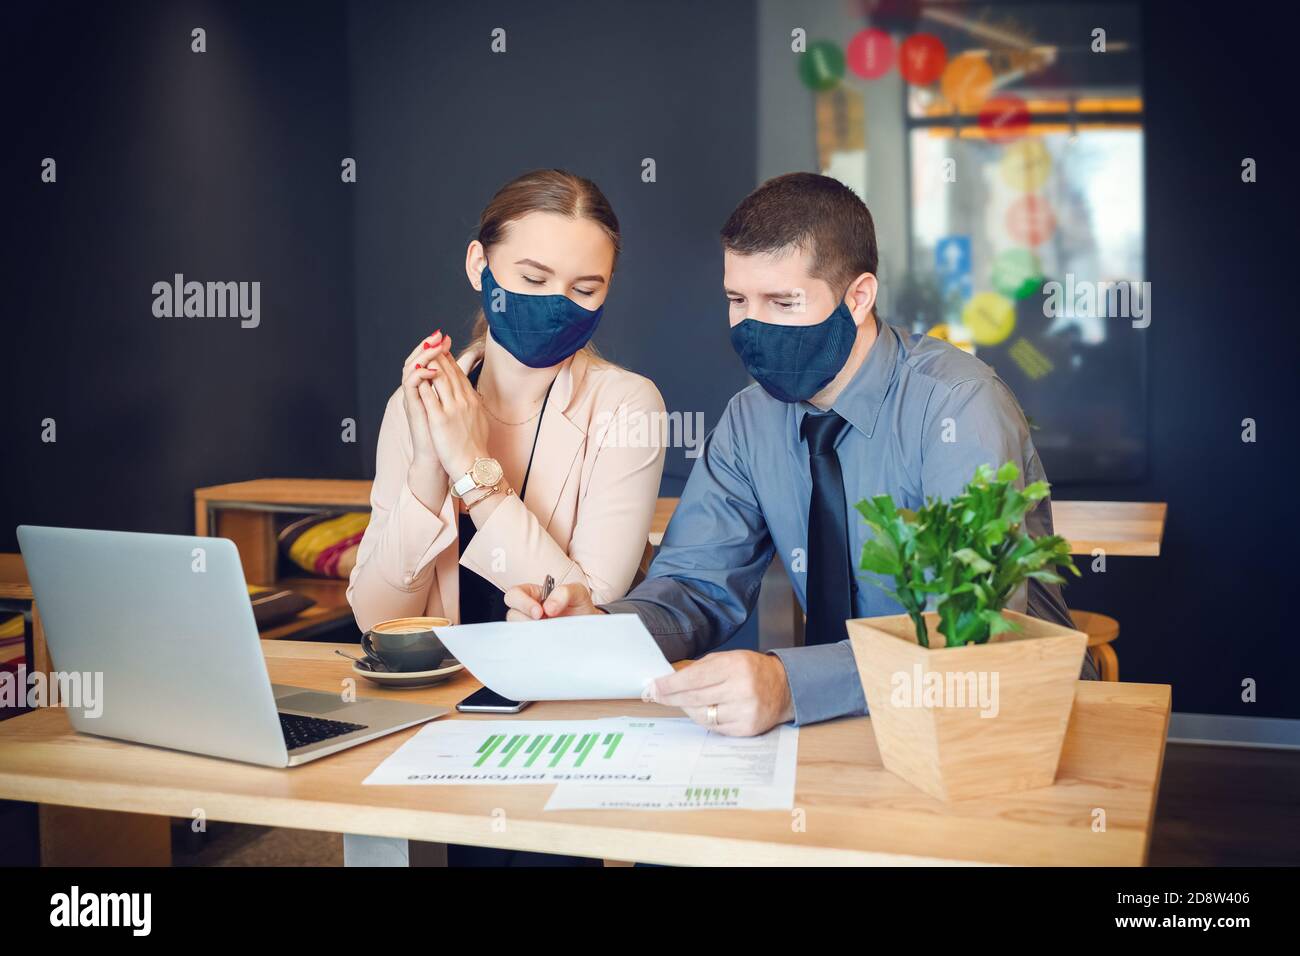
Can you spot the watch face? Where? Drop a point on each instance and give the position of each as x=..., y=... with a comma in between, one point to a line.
x=486, y=472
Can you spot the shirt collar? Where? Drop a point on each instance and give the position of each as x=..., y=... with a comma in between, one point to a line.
x=860, y=400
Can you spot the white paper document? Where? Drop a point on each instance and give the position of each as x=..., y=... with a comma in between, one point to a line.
x=590, y=657
x=612, y=763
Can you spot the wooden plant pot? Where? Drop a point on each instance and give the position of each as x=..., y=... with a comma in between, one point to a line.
x=961, y=722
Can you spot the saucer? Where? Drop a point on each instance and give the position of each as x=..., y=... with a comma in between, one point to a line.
x=397, y=679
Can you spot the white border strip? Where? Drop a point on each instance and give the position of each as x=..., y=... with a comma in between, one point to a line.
x=1278, y=733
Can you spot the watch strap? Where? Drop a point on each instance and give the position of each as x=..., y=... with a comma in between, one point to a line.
x=463, y=485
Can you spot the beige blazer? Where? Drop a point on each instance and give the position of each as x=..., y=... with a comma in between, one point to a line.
x=591, y=496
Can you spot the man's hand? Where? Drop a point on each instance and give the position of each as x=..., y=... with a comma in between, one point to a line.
x=750, y=691
x=525, y=602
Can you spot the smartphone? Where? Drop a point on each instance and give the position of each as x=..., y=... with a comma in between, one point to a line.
x=484, y=701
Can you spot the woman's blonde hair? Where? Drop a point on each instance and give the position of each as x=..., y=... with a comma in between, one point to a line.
x=543, y=190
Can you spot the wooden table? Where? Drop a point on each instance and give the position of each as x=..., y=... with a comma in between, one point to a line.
x=1124, y=528
x=849, y=810
x=13, y=578
x=286, y=494
x=1132, y=528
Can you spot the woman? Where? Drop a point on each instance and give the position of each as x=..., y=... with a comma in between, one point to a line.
x=505, y=466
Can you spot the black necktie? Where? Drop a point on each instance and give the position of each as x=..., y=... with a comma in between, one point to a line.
x=830, y=585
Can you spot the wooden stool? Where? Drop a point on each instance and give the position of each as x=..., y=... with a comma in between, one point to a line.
x=1101, y=630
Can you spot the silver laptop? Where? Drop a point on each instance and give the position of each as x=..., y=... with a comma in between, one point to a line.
x=167, y=621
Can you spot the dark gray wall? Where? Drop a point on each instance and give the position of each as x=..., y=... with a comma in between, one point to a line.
x=221, y=166
x=1211, y=610
x=440, y=122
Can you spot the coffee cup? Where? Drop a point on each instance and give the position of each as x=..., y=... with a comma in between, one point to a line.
x=406, y=644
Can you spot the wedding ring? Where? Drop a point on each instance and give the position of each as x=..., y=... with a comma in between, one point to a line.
x=713, y=715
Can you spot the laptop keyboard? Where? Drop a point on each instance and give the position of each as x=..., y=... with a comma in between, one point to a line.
x=304, y=731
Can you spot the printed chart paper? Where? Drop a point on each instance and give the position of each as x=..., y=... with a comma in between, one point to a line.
x=627, y=763
x=612, y=750
x=740, y=773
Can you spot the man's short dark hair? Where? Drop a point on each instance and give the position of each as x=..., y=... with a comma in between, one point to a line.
x=815, y=213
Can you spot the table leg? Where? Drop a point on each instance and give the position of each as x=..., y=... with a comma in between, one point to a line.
x=362, y=850
x=254, y=535
x=75, y=836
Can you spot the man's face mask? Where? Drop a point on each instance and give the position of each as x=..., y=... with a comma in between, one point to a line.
x=538, y=330
x=795, y=362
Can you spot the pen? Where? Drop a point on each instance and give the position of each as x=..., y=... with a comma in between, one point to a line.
x=547, y=587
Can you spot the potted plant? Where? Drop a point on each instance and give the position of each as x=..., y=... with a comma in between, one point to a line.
x=966, y=698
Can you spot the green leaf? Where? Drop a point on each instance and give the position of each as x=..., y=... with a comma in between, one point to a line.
x=972, y=560
x=880, y=560
x=1008, y=472
x=1037, y=491
x=885, y=505
x=997, y=623
x=992, y=533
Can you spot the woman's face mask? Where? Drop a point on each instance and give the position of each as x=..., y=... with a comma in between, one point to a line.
x=538, y=330
x=795, y=362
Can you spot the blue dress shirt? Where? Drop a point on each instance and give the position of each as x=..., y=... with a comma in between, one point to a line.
x=923, y=416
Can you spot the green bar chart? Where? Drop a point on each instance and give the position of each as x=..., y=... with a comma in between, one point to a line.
x=504, y=750
x=704, y=796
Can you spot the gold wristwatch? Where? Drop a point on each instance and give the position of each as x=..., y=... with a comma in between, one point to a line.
x=483, y=473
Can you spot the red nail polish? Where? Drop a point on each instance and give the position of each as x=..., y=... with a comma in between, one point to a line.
x=418, y=365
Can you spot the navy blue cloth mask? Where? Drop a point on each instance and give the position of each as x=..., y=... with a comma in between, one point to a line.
x=794, y=362
x=539, y=330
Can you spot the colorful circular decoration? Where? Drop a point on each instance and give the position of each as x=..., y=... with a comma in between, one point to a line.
x=822, y=66
x=1026, y=165
x=1004, y=118
x=1017, y=273
x=871, y=53
x=991, y=317
x=1030, y=220
x=921, y=58
x=946, y=333
x=966, y=82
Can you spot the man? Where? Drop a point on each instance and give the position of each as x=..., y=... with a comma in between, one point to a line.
x=845, y=407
